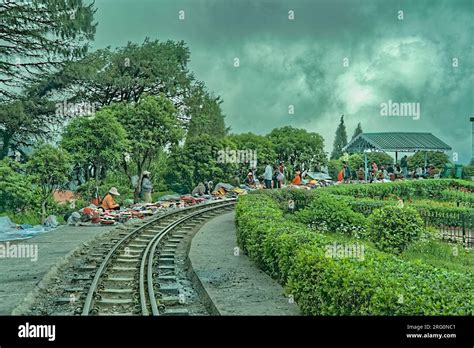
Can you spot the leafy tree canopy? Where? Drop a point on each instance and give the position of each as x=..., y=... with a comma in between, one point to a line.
x=438, y=159
x=298, y=146
x=40, y=35
x=96, y=143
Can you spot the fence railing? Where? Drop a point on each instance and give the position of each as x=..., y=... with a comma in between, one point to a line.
x=458, y=227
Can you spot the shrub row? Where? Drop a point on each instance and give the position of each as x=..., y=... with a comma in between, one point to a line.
x=433, y=215
x=326, y=212
x=430, y=188
x=379, y=284
x=465, y=199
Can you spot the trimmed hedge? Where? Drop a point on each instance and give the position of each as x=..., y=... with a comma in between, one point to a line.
x=392, y=229
x=464, y=199
x=429, y=188
x=433, y=215
x=327, y=213
x=379, y=284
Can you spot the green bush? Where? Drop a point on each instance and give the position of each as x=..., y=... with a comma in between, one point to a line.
x=328, y=213
x=252, y=230
x=377, y=284
x=391, y=229
x=432, y=212
x=16, y=191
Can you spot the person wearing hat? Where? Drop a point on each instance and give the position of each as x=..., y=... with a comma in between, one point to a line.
x=108, y=203
x=147, y=186
x=249, y=180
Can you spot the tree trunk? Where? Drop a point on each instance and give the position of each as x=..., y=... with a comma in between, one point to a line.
x=43, y=211
x=5, y=146
x=96, y=172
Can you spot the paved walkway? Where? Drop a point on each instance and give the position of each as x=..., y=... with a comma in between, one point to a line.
x=20, y=277
x=233, y=283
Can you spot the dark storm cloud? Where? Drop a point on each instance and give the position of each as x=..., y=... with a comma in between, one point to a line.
x=300, y=62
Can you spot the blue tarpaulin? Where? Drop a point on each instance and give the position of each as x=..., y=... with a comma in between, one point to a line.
x=12, y=231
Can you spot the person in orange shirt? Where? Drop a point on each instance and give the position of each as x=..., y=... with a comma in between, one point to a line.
x=108, y=203
x=297, y=178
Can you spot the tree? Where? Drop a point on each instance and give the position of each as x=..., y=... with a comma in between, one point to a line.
x=26, y=120
x=357, y=131
x=381, y=158
x=49, y=168
x=96, y=143
x=204, y=113
x=334, y=167
x=297, y=146
x=437, y=159
x=340, y=140
x=152, y=126
x=15, y=187
x=126, y=74
x=198, y=161
x=37, y=36
x=259, y=145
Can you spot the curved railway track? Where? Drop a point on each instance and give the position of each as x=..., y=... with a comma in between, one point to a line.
x=138, y=275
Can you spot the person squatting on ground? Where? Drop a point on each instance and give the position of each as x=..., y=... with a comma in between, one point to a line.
x=297, y=178
x=199, y=190
x=108, y=203
x=250, y=180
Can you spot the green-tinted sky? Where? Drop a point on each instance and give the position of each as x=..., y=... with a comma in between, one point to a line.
x=300, y=62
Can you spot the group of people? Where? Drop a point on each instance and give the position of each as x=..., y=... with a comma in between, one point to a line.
x=274, y=175
x=387, y=173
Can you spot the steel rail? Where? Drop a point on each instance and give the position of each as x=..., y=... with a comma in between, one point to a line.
x=100, y=271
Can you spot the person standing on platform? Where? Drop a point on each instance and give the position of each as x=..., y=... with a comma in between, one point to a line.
x=147, y=186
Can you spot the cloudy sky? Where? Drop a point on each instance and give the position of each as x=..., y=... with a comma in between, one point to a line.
x=335, y=57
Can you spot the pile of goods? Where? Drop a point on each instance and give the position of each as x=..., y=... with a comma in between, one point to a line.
x=93, y=215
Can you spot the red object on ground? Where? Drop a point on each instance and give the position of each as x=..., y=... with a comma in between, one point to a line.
x=95, y=218
x=188, y=199
x=107, y=222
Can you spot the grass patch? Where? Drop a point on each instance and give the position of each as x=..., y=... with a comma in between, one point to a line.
x=441, y=254
x=24, y=218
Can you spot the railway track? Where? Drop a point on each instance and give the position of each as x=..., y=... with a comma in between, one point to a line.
x=138, y=275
